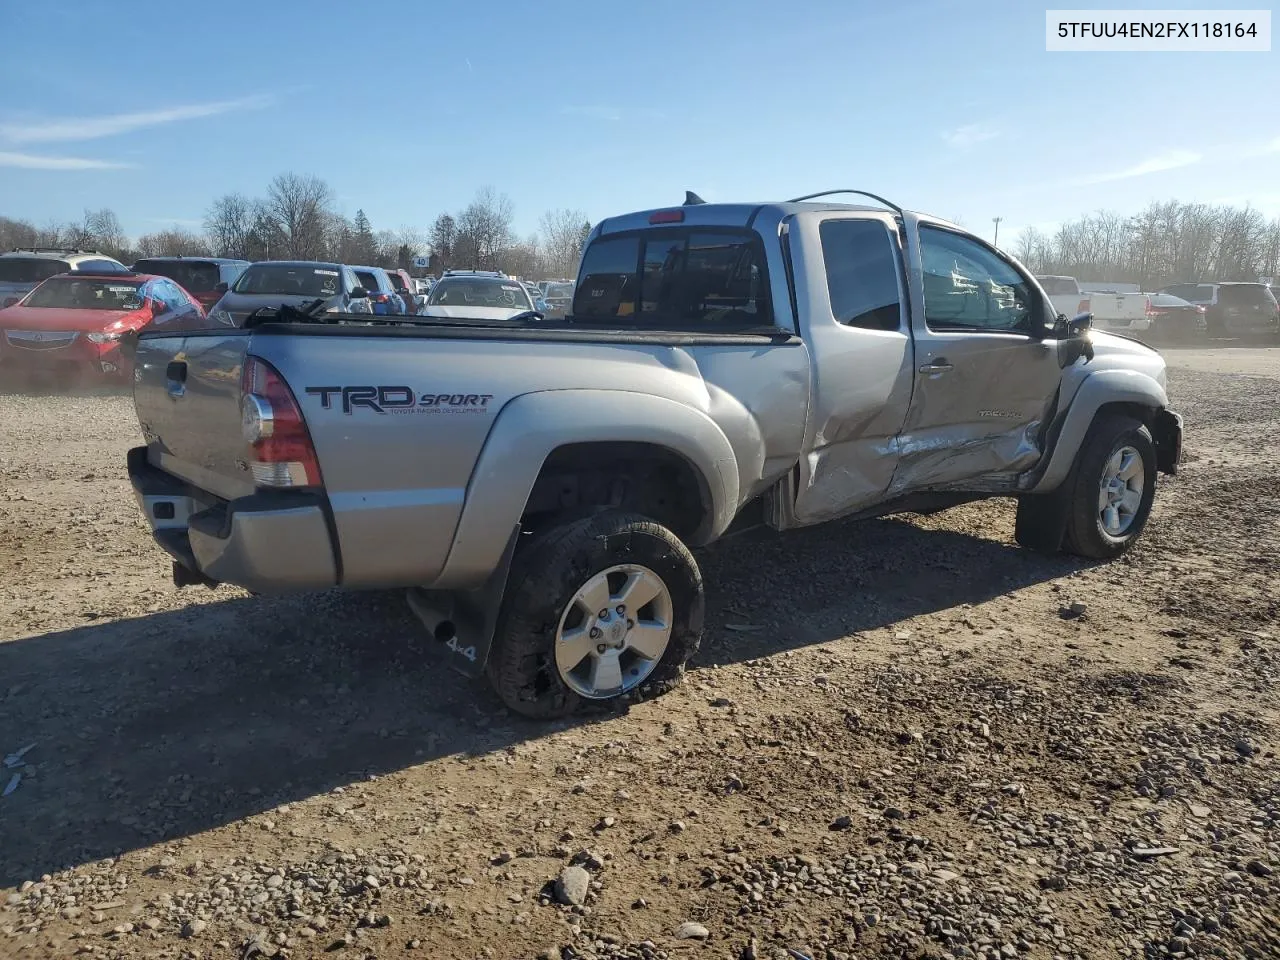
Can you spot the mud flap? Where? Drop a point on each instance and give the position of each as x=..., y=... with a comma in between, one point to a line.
x=1041, y=522
x=1166, y=430
x=464, y=621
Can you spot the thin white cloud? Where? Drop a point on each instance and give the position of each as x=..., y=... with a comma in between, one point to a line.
x=593, y=113
x=93, y=128
x=970, y=135
x=1170, y=160
x=29, y=161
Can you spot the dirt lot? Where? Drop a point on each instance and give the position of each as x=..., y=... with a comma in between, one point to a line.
x=893, y=743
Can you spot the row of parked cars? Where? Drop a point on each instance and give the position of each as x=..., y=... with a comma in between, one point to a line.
x=1178, y=313
x=64, y=312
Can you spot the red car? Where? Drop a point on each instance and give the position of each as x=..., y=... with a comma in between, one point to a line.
x=71, y=325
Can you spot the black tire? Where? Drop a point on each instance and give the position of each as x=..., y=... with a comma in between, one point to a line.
x=545, y=575
x=1085, y=535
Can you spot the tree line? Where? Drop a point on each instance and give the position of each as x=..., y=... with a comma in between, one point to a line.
x=1166, y=243
x=295, y=219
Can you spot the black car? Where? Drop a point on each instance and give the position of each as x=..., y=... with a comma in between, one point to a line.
x=1233, y=309
x=1174, y=320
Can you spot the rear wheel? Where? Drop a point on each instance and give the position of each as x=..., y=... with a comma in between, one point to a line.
x=1113, y=488
x=602, y=608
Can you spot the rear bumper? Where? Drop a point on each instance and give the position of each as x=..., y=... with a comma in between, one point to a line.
x=266, y=543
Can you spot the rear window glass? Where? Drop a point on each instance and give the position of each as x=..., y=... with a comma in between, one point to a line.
x=368, y=280
x=279, y=279
x=1059, y=286
x=862, y=273
x=1245, y=295
x=1167, y=300
x=193, y=275
x=501, y=294
x=561, y=291
x=30, y=269
x=675, y=280
x=397, y=281
x=69, y=293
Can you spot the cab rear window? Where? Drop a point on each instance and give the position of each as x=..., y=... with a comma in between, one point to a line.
x=675, y=279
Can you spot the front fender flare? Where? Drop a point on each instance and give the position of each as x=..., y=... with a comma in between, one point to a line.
x=1098, y=390
x=531, y=426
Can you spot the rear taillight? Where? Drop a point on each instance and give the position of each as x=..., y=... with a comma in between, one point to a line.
x=1199, y=308
x=281, y=454
x=381, y=298
x=1082, y=307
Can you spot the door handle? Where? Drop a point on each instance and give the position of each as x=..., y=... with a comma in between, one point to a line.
x=936, y=366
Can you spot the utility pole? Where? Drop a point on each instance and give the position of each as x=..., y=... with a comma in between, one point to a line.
x=995, y=241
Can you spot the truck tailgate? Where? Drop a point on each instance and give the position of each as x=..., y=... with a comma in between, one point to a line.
x=187, y=396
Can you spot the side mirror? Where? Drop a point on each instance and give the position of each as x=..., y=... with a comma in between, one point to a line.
x=359, y=293
x=1073, y=329
x=221, y=288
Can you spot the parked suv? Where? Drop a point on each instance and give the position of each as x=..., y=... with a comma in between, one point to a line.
x=1233, y=309
x=23, y=268
x=404, y=286
x=297, y=283
x=205, y=278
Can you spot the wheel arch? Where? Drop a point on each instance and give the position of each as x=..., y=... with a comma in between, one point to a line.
x=1106, y=392
x=554, y=433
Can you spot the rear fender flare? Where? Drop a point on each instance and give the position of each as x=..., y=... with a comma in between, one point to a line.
x=1103, y=389
x=530, y=427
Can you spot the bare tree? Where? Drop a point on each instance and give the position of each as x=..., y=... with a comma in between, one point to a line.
x=444, y=237
x=174, y=242
x=484, y=229
x=561, y=236
x=228, y=222
x=16, y=233
x=299, y=207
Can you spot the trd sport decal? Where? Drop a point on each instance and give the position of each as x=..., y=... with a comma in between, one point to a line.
x=400, y=400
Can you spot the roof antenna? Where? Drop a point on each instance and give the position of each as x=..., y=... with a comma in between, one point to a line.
x=692, y=199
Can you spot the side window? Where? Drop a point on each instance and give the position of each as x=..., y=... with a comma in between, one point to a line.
x=607, y=284
x=969, y=287
x=862, y=264
x=99, y=266
x=173, y=295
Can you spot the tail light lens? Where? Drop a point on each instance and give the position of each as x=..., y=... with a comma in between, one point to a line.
x=1151, y=310
x=1082, y=307
x=1199, y=308
x=381, y=298
x=280, y=450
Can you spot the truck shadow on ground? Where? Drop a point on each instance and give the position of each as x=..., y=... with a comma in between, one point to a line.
x=163, y=726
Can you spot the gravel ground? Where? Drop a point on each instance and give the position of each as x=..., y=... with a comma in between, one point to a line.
x=898, y=741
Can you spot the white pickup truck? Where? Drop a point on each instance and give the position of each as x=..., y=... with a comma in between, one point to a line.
x=1111, y=311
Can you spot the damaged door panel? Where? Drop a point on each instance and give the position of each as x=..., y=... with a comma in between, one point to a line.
x=851, y=286
x=986, y=375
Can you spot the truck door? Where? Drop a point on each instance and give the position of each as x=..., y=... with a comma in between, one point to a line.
x=851, y=287
x=986, y=376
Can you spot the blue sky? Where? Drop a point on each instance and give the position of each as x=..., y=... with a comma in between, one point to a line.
x=407, y=109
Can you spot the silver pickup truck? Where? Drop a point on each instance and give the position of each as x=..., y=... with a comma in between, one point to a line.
x=537, y=484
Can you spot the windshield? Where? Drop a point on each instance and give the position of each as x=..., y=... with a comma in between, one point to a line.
x=194, y=276
x=1245, y=295
x=30, y=269
x=288, y=280
x=67, y=292
x=559, y=291
x=479, y=293
x=1059, y=286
